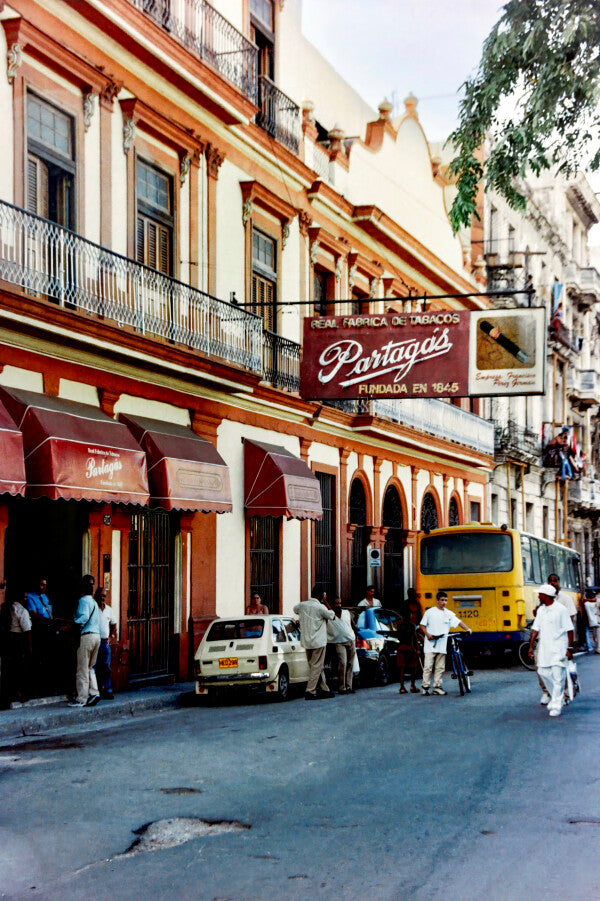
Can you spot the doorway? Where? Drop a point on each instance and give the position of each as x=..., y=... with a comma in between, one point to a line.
x=358, y=565
x=393, y=568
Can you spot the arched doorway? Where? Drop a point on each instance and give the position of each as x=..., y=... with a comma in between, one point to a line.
x=358, y=518
x=393, y=570
x=429, y=517
x=453, y=514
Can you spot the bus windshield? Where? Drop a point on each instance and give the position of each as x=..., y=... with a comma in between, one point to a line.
x=468, y=552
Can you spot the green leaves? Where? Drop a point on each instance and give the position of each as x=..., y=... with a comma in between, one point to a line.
x=533, y=98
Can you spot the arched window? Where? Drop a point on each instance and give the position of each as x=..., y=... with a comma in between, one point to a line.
x=453, y=515
x=429, y=517
x=393, y=579
x=358, y=517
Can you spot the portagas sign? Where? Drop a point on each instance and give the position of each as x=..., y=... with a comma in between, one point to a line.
x=436, y=354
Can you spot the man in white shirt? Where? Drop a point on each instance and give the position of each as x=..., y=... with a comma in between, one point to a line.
x=108, y=630
x=341, y=635
x=591, y=612
x=370, y=600
x=313, y=616
x=435, y=626
x=553, y=628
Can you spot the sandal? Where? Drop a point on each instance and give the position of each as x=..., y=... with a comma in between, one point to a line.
x=414, y=689
x=402, y=691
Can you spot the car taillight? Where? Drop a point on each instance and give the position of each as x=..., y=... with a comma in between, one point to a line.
x=361, y=643
x=262, y=662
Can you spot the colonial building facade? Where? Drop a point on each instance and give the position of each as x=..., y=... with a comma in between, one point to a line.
x=546, y=250
x=178, y=192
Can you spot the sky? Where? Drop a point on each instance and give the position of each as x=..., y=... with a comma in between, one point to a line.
x=390, y=48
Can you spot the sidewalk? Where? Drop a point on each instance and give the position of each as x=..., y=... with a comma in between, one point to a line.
x=39, y=717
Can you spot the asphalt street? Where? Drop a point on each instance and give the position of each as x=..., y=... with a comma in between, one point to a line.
x=373, y=795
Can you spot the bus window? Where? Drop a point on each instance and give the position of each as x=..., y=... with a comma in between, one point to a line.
x=535, y=559
x=546, y=564
x=561, y=565
x=468, y=552
x=572, y=572
x=527, y=560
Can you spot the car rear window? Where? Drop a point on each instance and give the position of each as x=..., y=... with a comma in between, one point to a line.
x=227, y=630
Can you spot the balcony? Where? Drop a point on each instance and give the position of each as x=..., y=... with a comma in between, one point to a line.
x=564, y=338
x=590, y=285
x=210, y=37
x=512, y=441
x=583, y=387
x=281, y=361
x=584, y=495
x=52, y=263
x=442, y=420
x=278, y=115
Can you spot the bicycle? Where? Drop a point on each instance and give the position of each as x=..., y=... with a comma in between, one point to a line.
x=460, y=670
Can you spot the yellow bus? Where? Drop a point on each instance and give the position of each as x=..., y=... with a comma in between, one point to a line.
x=491, y=576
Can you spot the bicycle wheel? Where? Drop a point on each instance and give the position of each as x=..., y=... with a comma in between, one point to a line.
x=458, y=669
x=524, y=657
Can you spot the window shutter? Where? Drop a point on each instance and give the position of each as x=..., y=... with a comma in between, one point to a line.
x=268, y=307
x=151, y=232
x=37, y=186
x=139, y=241
x=163, y=261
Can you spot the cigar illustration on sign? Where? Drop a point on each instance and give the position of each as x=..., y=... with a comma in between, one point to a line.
x=503, y=341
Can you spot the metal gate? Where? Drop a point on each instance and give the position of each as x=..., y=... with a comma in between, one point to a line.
x=150, y=599
x=324, y=531
x=358, y=564
x=264, y=560
x=393, y=560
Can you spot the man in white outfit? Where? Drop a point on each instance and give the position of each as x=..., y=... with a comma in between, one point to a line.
x=553, y=629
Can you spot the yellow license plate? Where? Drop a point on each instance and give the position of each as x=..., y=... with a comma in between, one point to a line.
x=227, y=662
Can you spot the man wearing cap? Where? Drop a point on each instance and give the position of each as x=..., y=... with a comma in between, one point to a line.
x=435, y=626
x=553, y=629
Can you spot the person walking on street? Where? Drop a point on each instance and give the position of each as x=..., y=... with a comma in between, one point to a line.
x=341, y=635
x=553, y=629
x=314, y=616
x=88, y=617
x=108, y=630
x=370, y=600
x=15, y=640
x=435, y=626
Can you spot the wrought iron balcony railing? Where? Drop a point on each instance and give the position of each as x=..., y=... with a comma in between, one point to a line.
x=515, y=441
x=54, y=263
x=209, y=36
x=441, y=420
x=278, y=115
x=565, y=336
x=281, y=361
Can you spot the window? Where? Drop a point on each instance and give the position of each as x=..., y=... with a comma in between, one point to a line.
x=322, y=291
x=429, y=518
x=50, y=162
x=154, y=231
x=279, y=633
x=262, y=32
x=393, y=556
x=495, y=515
x=264, y=279
x=324, y=531
x=292, y=629
x=453, y=517
x=466, y=553
x=264, y=559
x=475, y=511
x=230, y=630
x=360, y=302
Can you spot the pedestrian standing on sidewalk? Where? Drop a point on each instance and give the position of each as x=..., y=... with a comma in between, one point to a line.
x=15, y=647
x=370, y=600
x=435, y=626
x=313, y=616
x=88, y=617
x=553, y=629
x=591, y=612
x=341, y=635
x=108, y=630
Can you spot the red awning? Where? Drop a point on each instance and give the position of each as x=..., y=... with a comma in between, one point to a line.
x=185, y=471
x=77, y=452
x=12, y=464
x=279, y=484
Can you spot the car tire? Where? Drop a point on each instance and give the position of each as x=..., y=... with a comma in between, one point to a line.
x=382, y=675
x=283, y=684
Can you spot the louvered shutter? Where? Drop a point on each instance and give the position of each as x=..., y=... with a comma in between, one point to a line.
x=37, y=187
x=140, y=243
x=163, y=250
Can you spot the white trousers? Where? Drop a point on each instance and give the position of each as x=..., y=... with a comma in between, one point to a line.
x=553, y=678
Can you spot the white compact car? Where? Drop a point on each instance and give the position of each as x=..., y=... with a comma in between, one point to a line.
x=257, y=652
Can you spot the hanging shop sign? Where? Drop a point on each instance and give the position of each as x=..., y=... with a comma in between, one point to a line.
x=442, y=353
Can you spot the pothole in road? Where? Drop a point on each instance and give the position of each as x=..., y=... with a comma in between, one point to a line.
x=175, y=831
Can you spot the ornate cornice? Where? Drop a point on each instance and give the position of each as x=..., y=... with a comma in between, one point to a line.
x=214, y=160
x=304, y=221
x=265, y=199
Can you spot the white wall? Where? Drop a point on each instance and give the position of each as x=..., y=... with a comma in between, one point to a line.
x=230, y=232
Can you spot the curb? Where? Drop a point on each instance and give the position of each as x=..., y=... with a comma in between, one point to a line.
x=27, y=721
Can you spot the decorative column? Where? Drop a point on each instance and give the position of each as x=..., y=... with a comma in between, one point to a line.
x=345, y=530
x=106, y=104
x=214, y=161
x=445, y=511
x=307, y=568
x=306, y=287
x=194, y=252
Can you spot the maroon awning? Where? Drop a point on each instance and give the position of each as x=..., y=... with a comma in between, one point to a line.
x=279, y=484
x=75, y=451
x=12, y=464
x=185, y=471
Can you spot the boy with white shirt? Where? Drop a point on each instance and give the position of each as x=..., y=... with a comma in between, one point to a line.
x=435, y=626
x=553, y=628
